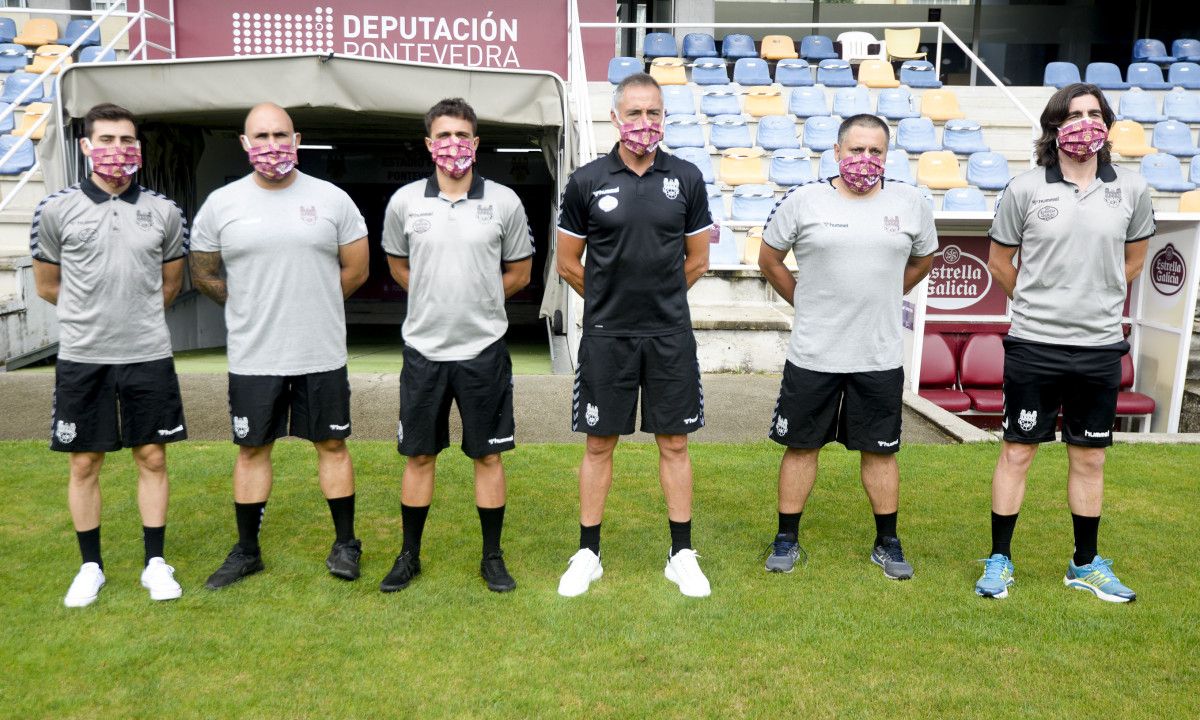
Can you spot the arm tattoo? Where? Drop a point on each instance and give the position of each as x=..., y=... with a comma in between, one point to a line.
x=206, y=275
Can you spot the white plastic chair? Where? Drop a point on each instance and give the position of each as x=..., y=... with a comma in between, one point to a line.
x=855, y=46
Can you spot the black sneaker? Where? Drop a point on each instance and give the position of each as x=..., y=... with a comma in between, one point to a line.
x=238, y=564
x=343, y=559
x=493, y=571
x=403, y=571
x=889, y=556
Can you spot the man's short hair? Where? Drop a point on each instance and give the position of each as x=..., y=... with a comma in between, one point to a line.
x=106, y=111
x=864, y=120
x=452, y=107
x=634, y=80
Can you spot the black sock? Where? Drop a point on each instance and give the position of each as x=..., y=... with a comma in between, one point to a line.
x=249, y=522
x=1002, y=532
x=491, y=522
x=885, y=527
x=681, y=535
x=589, y=538
x=414, y=525
x=153, y=539
x=89, y=545
x=789, y=525
x=1086, y=529
x=342, y=510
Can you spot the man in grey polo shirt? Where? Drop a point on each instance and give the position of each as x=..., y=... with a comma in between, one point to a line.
x=1079, y=223
x=460, y=245
x=293, y=248
x=109, y=253
x=861, y=244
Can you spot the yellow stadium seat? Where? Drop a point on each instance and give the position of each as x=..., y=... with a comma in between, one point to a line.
x=668, y=71
x=903, y=44
x=764, y=100
x=940, y=105
x=37, y=32
x=939, y=170
x=743, y=166
x=33, y=113
x=751, y=245
x=1128, y=138
x=877, y=74
x=45, y=56
x=778, y=47
x=1190, y=201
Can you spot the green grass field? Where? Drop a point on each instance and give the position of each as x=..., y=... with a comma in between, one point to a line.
x=833, y=640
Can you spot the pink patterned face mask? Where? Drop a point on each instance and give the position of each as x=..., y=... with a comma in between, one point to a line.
x=454, y=155
x=640, y=139
x=861, y=172
x=1082, y=139
x=116, y=164
x=273, y=160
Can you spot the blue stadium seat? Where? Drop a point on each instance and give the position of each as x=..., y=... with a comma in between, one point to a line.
x=75, y=30
x=806, y=102
x=720, y=100
x=828, y=165
x=1163, y=172
x=820, y=132
x=698, y=157
x=1105, y=75
x=849, y=101
x=658, y=44
x=716, y=200
x=97, y=54
x=699, y=45
x=738, y=46
x=791, y=167
x=622, y=67
x=1139, y=106
x=1151, y=51
x=777, y=132
x=964, y=199
x=1185, y=75
x=1194, y=170
x=8, y=30
x=917, y=135
x=751, y=71
x=896, y=104
x=896, y=167
x=963, y=137
x=835, y=73
x=1060, y=74
x=927, y=194
x=1174, y=137
x=710, y=71
x=729, y=131
x=21, y=160
x=1182, y=105
x=817, y=47
x=919, y=74
x=752, y=203
x=1186, y=49
x=793, y=73
x=8, y=123
x=13, y=57
x=679, y=100
x=1147, y=76
x=724, y=252
x=987, y=170
x=681, y=131
x=16, y=83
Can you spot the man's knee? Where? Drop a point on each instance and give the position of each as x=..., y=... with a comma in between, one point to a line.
x=1019, y=454
x=334, y=447
x=601, y=446
x=672, y=446
x=85, y=467
x=150, y=458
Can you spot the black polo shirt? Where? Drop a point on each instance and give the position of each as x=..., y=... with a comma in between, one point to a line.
x=634, y=228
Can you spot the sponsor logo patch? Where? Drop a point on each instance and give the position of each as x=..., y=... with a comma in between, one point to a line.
x=959, y=280
x=241, y=426
x=144, y=219
x=1047, y=212
x=65, y=432
x=592, y=415
x=1168, y=270
x=308, y=214
x=1027, y=419
x=671, y=188
x=421, y=225
x=608, y=203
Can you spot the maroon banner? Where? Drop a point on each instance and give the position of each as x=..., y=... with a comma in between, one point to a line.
x=959, y=283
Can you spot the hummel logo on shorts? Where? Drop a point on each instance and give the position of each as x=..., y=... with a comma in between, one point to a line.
x=689, y=421
x=893, y=443
x=172, y=431
x=497, y=441
x=340, y=427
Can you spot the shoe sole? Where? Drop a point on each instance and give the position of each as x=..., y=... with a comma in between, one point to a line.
x=887, y=575
x=1078, y=585
x=595, y=576
x=501, y=588
x=397, y=588
x=347, y=576
x=67, y=602
x=670, y=575
x=783, y=570
x=997, y=596
x=173, y=594
x=237, y=579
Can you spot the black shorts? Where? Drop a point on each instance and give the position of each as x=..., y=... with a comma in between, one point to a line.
x=860, y=410
x=612, y=370
x=101, y=408
x=482, y=387
x=318, y=405
x=1041, y=379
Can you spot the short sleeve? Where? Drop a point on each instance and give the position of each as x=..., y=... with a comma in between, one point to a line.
x=925, y=242
x=351, y=225
x=395, y=240
x=175, y=234
x=206, y=235
x=699, y=218
x=573, y=211
x=780, y=231
x=517, y=243
x=1009, y=224
x=45, y=239
x=1141, y=225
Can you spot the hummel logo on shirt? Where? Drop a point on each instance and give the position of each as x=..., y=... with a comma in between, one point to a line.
x=340, y=427
x=606, y=191
x=172, y=431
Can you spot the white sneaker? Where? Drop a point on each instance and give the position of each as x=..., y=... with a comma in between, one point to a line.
x=85, y=587
x=683, y=570
x=159, y=579
x=583, y=567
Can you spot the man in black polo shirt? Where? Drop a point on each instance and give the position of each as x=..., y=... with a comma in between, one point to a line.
x=643, y=217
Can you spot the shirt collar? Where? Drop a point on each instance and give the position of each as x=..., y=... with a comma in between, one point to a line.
x=475, y=192
x=1104, y=171
x=99, y=195
x=616, y=164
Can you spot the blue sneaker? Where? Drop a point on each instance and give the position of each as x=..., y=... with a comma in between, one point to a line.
x=783, y=555
x=997, y=577
x=1097, y=576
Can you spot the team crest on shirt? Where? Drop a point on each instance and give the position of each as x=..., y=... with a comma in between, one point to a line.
x=65, y=432
x=671, y=188
x=593, y=414
x=1112, y=196
x=781, y=426
x=1027, y=419
x=144, y=219
x=308, y=214
x=485, y=213
x=891, y=223
x=241, y=426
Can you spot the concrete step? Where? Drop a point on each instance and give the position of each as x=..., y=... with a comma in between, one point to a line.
x=28, y=196
x=745, y=337
x=14, y=232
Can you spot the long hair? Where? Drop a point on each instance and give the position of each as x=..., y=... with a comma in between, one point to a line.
x=1055, y=114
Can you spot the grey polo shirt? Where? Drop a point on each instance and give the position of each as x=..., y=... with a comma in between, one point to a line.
x=111, y=249
x=1071, y=282
x=454, y=250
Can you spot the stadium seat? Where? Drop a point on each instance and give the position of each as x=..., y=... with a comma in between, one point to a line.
x=659, y=44
x=8, y=122
x=699, y=45
x=877, y=74
x=683, y=131
x=45, y=56
x=751, y=71
x=939, y=170
x=1163, y=172
x=1186, y=49
x=777, y=132
x=97, y=54
x=963, y=137
x=1190, y=201
x=700, y=158
x=622, y=67
x=1147, y=76
x=678, y=99
x=716, y=200
x=1128, y=138
x=849, y=101
x=710, y=71
x=16, y=83
x=729, y=131
x=793, y=73
x=13, y=57
x=896, y=104
x=806, y=102
x=940, y=105
x=33, y=113
x=738, y=46
x=1140, y=106
x=827, y=166
x=1060, y=74
x=817, y=48
x=1184, y=75
x=37, y=32
x=939, y=375
x=1194, y=170
x=790, y=167
x=8, y=29
x=964, y=199
x=820, y=132
x=753, y=203
x=919, y=74
x=778, y=47
x=903, y=44
x=1106, y=76
x=1174, y=137
x=725, y=251
x=75, y=30
x=1150, y=50
x=987, y=170
x=896, y=167
x=752, y=244
x=982, y=371
x=1131, y=403
x=742, y=166
x=668, y=71
x=835, y=73
x=720, y=100
x=857, y=45
x=22, y=159
x=917, y=135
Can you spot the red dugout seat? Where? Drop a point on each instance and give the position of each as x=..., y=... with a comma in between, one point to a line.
x=983, y=372
x=939, y=374
x=1133, y=403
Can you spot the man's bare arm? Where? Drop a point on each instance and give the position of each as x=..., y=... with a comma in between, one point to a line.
x=48, y=279
x=570, y=260
x=355, y=259
x=206, y=275
x=172, y=280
